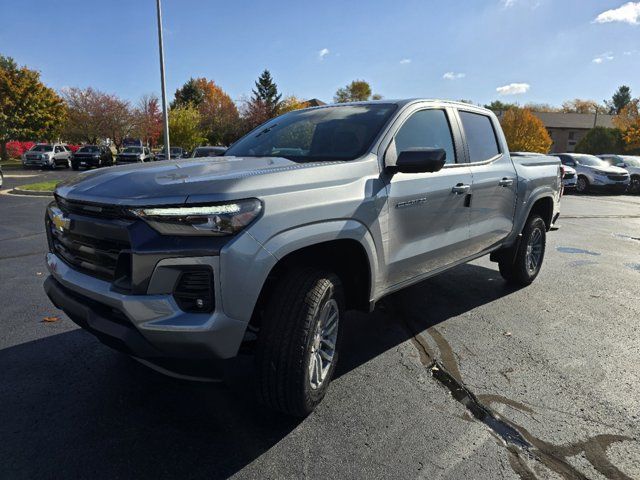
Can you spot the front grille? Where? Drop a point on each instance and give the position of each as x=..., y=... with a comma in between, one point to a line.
x=194, y=290
x=93, y=210
x=618, y=178
x=569, y=175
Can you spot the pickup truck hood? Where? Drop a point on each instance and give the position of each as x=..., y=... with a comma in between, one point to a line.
x=196, y=180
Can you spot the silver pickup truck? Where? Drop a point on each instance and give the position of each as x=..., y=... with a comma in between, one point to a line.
x=314, y=212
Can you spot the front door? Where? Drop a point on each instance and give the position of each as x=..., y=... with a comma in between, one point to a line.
x=428, y=213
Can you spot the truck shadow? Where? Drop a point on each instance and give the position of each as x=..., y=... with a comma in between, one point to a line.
x=73, y=408
x=429, y=303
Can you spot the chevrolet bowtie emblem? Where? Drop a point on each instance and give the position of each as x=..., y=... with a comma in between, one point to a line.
x=59, y=220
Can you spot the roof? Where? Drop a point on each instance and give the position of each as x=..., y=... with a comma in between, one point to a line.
x=313, y=102
x=576, y=121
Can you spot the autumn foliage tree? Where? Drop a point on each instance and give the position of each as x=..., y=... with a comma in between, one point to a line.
x=219, y=116
x=148, y=119
x=28, y=109
x=628, y=121
x=579, y=105
x=94, y=115
x=525, y=132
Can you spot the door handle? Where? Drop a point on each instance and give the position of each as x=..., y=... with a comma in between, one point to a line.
x=461, y=189
x=506, y=182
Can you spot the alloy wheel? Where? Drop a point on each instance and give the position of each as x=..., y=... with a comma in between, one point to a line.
x=534, y=251
x=323, y=344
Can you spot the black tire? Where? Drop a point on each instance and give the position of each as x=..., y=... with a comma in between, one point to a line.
x=288, y=337
x=75, y=166
x=582, y=185
x=516, y=267
x=634, y=185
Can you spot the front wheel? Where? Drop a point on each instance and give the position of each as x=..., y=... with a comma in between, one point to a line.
x=634, y=185
x=582, y=186
x=524, y=265
x=299, y=340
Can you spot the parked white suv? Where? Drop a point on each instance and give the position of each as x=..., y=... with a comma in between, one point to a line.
x=631, y=164
x=46, y=155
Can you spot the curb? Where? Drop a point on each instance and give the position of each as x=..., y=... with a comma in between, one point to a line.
x=32, y=193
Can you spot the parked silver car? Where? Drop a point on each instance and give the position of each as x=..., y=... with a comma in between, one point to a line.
x=631, y=164
x=46, y=155
x=595, y=173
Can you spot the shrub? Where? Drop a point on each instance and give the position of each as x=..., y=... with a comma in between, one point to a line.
x=15, y=149
x=601, y=140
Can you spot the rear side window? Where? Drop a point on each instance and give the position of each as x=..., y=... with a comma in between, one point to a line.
x=480, y=135
x=426, y=129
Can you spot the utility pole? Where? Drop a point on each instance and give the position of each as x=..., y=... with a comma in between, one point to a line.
x=165, y=113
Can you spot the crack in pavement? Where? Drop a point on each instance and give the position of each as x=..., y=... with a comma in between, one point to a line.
x=520, y=443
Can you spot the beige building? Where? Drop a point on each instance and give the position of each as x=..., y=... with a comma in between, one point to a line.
x=567, y=129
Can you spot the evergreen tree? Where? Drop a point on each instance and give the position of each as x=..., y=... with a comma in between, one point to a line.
x=190, y=94
x=620, y=99
x=266, y=92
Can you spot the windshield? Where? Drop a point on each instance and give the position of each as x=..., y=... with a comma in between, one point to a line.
x=91, y=149
x=589, y=160
x=42, y=148
x=631, y=161
x=132, y=150
x=176, y=150
x=343, y=132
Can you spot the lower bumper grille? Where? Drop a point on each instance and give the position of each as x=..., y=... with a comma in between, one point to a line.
x=618, y=178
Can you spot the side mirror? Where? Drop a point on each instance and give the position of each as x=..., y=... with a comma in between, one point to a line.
x=420, y=160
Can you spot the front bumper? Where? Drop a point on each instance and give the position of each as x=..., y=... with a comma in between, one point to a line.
x=145, y=326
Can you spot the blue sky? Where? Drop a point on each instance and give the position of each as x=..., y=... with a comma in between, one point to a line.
x=552, y=50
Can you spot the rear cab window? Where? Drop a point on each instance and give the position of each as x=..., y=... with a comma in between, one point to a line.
x=480, y=136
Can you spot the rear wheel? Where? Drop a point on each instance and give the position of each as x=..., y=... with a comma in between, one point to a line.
x=299, y=339
x=523, y=266
x=75, y=166
x=634, y=185
x=582, y=186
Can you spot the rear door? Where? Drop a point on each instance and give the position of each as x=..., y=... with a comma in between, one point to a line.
x=428, y=220
x=495, y=182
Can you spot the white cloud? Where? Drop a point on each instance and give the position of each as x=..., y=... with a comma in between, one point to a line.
x=514, y=89
x=627, y=13
x=605, y=57
x=405, y=61
x=533, y=4
x=453, y=75
x=323, y=53
x=508, y=3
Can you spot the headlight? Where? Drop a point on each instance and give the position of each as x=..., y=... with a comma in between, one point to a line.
x=219, y=220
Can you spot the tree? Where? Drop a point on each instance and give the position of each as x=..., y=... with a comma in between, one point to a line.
x=148, y=119
x=28, y=109
x=189, y=94
x=291, y=103
x=628, y=121
x=356, y=91
x=184, y=127
x=582, y=106
x=94, y=115
x=219, y=115
x=601, y=140
x=619, y=100
x=499, y=106
x=266, y=91
x=254, y=113
x=541, y=107
x=525, y=132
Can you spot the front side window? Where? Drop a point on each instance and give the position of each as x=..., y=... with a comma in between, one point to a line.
x=426, y=129
x=342, y=132
x=480, y=135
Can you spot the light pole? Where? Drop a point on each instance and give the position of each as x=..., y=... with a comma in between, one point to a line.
x=165, y=113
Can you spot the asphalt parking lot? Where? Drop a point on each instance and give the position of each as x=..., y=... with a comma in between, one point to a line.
x=457, y=377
